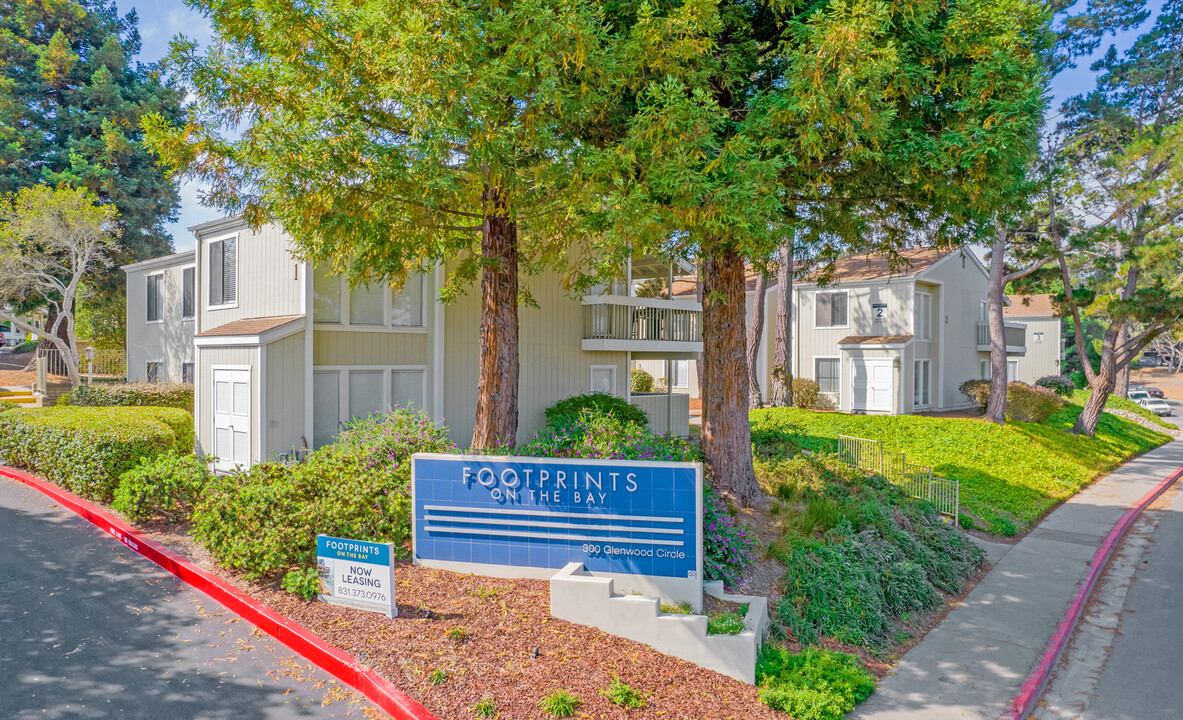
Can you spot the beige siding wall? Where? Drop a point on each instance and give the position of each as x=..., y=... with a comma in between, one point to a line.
x=955, y=312
x=270, y=280
x=553, y=365
x=283, y=415
x=344, y=347
x=1042, y=358
x=170, y=341
x=207, y=359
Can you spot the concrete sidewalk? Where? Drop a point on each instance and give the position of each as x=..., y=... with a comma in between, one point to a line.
x=972, y=664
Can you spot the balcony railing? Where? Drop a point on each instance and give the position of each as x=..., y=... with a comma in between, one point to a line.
x=617, y=322
x=1015, y=334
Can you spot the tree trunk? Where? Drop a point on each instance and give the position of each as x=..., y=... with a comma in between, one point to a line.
x=1106, y=378
x=726, y=430
x=755, y=398
x=1121, y=386
x=497, y=385
x=781, y=392
x=702, y=411
x=996, y=408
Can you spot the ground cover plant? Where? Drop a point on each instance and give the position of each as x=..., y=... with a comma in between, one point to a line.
x=1045, y=463
x=86, y=450
x=1116, y=402
x=812, y=685
x=264, y=521
x=176, y=395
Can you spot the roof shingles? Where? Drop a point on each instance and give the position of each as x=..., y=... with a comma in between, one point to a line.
x=249, y=326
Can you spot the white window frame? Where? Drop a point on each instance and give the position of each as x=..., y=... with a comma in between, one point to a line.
x=147, y=294
x=814, y=313
x=192, y=372
x=387, y=314
x=927, y=325
x=681, y=379
x=917, y=401
x=196, y=293
x=984, y=370
x=815, y=377
x=343, y=413
x=237, y=271
x=591, y=377
x=160, y=369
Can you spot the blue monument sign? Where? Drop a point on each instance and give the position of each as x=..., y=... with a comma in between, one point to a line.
x=529, y=517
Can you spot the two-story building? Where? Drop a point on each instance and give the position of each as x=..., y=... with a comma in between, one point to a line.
x=1045, y=339
x=285, y=353
x=881, y=338
x=161, y=314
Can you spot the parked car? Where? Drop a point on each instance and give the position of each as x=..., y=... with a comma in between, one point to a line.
x=1154, y=405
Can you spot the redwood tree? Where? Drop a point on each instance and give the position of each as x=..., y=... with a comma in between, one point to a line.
x=387, y=136
x=780, y=392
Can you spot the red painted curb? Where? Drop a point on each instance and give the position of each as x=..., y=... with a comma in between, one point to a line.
x=1029, y=693
x=332, y=660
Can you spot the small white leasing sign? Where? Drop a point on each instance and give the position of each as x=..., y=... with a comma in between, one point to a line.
x=356, y=573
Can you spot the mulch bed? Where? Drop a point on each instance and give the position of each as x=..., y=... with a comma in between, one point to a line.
x=484, y=632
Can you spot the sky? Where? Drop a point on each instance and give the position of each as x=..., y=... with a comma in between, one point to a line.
x=161, y=20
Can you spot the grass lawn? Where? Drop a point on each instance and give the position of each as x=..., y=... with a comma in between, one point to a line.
x=1119, y=403
x=1018, y=471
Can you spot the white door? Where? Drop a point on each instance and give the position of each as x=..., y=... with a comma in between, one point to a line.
x=871, y=385
x=232, y=418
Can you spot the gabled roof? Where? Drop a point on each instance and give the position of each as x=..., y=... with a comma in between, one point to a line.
x=249, y=326
x=161, y=262
x=911, y=262
x=1030, y=306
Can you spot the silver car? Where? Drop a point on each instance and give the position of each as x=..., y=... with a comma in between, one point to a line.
x=1153, y=404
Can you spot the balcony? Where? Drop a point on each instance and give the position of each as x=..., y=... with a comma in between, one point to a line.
x=643, y=326
x=1015, y=333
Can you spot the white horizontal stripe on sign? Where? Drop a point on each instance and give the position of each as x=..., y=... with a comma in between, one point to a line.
x=546, y=513
x=551, y=536
x=539, y=524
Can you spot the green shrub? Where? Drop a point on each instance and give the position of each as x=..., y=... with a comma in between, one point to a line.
x=168, y=484
x=1058, y=384
x=86, y=450
x=6, y=405
x=978, y=392
x=966, y=521
x=560, y=704
x=304, y=582
x=1002, y=526
x=1028, y=403
x=1079, y=379
x=640, y=381
x=567, y=412
x=26, y=346
x=603, y=434
x=264, y=521
x=725, y=623
x=174, y=395
x=620, y=694
x=813, y=685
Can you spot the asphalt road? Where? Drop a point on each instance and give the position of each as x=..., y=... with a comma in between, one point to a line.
x=89, y=629
x=1140, y=679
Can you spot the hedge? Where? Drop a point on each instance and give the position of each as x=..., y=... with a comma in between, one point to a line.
x=173, y=395
x=566, y=412
x=85, y=450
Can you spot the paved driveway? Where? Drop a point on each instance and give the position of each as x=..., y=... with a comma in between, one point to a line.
x=89, y=629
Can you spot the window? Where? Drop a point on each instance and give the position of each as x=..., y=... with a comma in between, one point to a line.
x=827, y=372
x=188, y=292
x=406, y=306
x=326, y=407
x=153, y=371
x=923, y=316
x=681, y=371
x=223, y=272
x=983, y=312
x=406, y=389
x=365, y=392
x=365, y=304
x=921, y=382
x=326, y=296
x=187, y=373
x=830, y=309
x=1012, y=370
x=1038, y=337
x=603, y=379
x=155, y=300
